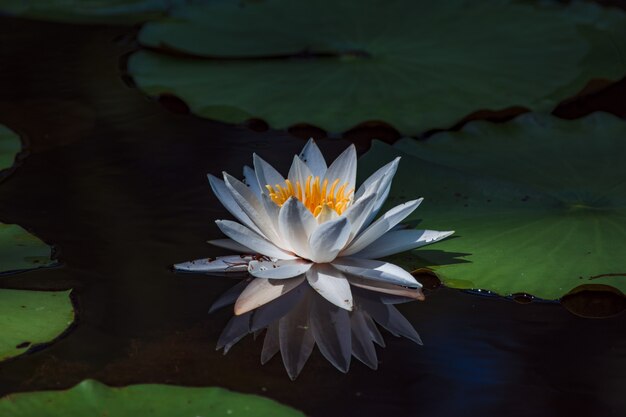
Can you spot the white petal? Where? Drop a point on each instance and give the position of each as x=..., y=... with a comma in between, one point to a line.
x=331, y=329
x=280, y=269
x=299, y=172
x=228, y=201
x=312, y=156
x=359, y=212
x=400, y=241
x=250, y=180
x=376, y=270
x=295, y=224
x=385, y=288
x=232, y=245
x=266, y=174
x=261, y=291
x=377, y=176
x=254, y=241
x=343, y=168
x=381, y=226
x=381, y=181
x=253, y=208
x=272, y=209
x=330, y=284
x=328, y=239
x=326, y=214
x=232, y=263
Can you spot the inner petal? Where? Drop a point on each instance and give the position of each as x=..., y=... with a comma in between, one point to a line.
x=317, y=196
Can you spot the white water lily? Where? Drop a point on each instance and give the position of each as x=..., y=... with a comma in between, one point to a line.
x=313, y=226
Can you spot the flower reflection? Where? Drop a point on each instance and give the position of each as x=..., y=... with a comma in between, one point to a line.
x=297, y=321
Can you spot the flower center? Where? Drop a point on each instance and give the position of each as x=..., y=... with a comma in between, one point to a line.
x=313, y=194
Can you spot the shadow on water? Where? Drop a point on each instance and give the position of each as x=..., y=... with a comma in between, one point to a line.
x=118, y=184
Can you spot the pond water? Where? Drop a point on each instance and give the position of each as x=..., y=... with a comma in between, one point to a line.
x=117, y=183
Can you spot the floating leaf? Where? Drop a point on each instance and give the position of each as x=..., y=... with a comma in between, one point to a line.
x=538, y=203
x=93, y=398
x=29, y=318
x=19, y=250
x=10, y=146
x=414, y=64
x=89, y=11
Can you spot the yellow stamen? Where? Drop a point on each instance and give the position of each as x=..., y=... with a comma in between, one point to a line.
x=315, y=194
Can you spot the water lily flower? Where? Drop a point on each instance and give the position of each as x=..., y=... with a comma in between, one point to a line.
x=314, y=226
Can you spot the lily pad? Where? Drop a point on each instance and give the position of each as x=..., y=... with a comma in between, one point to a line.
x=416, y=65
x=538, y=203
x=29, y=318
x=89, y=11
x=150, y=400
x=20, y=250
x=10, y=146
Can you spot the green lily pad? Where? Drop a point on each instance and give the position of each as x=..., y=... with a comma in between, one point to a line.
x=19, y=250
x=89, y=11
x=538, y=203
x=90, y=398
x=416, y=65
x=10, y=146
x=29, y=318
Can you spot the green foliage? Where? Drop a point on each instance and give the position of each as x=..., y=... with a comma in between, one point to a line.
x=538, y=203
x=28, y=318
x=415, y=65
x=91, y=398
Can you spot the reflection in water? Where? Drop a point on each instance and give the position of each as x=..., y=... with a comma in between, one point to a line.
x=295, y=322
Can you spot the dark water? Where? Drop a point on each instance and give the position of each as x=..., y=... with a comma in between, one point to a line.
x=117, y=183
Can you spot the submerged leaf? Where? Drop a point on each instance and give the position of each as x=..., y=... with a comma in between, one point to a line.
x=538, y=203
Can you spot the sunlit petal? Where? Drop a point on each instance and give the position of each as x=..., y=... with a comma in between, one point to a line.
x=328, y=239
x=381, y=226
x=232, y=263
x=252, y=240
x=225, y=197
x=296, y=223
x=343, y=168
x=279, y=269
x=330, y=284
x=265, y=173
x=313, y=158
x=400, y=241
x=299, y=172
x=376, y=270
x=253, y=208
x=249, y=178
x=385, y=288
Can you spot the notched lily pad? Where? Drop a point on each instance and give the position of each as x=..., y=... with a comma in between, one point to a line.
x=20, y=250
x=10, y=146
x=415, y=65
x=30, y=318
x=91, y=397
x=538, y=203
